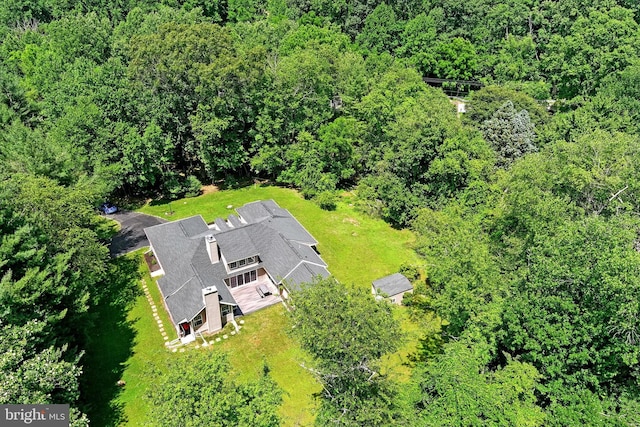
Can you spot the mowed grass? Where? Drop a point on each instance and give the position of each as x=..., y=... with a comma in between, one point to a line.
x=264, y=339
x=358, y=249
x=148, y=349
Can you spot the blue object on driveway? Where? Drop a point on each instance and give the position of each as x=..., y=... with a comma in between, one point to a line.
x=108, y=208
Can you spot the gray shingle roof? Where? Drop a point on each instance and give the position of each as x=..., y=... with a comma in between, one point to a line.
x=254, y=212
x=282, y=243
x=291, y=229
x=186, y=300
x=237, y=243
x=180, y=249
x=234, y=220
x=194, y=226
x=393, y=284
x=222, y=224
x=304, y=273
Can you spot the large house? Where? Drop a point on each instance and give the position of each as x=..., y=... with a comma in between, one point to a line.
x=213, y=272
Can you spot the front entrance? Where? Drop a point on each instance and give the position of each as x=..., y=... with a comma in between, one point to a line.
x=185, y=329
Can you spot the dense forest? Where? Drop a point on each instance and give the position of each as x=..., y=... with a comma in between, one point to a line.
x=525, y=207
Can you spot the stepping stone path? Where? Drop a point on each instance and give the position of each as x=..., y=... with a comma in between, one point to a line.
x=156, y=317
x=154, y=309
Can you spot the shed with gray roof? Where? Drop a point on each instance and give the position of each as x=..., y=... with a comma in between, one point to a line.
x=393, y=287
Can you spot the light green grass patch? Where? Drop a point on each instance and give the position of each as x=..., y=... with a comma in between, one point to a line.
x=263, y=339
x=148, y=350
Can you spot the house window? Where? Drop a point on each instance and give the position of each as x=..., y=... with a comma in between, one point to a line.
x=243, y=262
x=226, y=309
x=197, y=321
x=243, y=279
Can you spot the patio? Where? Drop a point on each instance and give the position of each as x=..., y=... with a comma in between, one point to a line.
x=249, y=299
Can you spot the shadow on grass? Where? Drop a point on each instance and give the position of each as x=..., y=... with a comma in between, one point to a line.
x=229, y=184
x=110, y=343
x=159, y=202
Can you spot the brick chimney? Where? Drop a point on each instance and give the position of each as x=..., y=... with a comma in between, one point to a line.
x=212, y=248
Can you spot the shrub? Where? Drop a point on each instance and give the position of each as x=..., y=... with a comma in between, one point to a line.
x=176, y=186
x=410, y=271
x=192, y=186
x=172, y=188
x=326, y=200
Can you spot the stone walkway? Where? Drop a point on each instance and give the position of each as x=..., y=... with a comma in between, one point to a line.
x=165, y=337
x=154, y=309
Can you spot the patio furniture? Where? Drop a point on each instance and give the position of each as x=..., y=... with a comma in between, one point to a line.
x=264, y=289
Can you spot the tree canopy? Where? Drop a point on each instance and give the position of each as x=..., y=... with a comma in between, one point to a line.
x=524, y=208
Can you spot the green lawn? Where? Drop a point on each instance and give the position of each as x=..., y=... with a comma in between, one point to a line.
x=263, y=337
x=148, y=350
x=357, y=249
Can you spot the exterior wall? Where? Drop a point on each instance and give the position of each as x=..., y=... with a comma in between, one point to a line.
x=461, y=105
x=243, y=276
x=397, y=298
x=225, y=318
x=203, y=327
x=159, y=272
x=212, y=309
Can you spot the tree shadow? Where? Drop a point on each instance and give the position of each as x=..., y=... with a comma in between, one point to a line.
x=110, y=340
x=162, y=201
x=231, y=183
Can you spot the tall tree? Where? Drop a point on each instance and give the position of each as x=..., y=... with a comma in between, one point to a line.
x=456, y=388
x=347, y=332
x=196, y=389
x=574, y=311
x=510, y=133
x=604, y=42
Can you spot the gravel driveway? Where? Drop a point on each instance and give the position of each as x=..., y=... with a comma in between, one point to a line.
x=131, y=235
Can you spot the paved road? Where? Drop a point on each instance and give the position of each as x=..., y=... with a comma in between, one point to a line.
x=131, y=235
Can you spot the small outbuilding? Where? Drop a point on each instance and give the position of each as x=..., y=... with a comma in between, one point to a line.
x=392, y=287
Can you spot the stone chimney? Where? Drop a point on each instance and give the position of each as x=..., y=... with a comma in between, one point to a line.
x=212, y=307
x=212, y=248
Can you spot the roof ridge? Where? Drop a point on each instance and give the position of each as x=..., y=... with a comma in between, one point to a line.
x=292, y=270
x=187, y=281
x=313, y=263
x=193, y=267
x=180, y=223
x=236, y=228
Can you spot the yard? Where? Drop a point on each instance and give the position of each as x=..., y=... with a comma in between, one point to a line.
x=358, y=250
